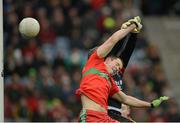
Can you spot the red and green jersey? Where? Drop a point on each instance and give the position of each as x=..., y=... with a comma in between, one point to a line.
x=94, y=86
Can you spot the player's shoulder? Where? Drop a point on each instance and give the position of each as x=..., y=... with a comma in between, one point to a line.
x=92, y=52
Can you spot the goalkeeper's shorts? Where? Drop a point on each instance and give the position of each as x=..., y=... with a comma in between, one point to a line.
x=117, y=116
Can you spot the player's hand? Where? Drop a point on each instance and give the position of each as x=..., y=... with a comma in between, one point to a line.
x=155, y=103
x=137, y=21
x=126, y=113
x=125, y=25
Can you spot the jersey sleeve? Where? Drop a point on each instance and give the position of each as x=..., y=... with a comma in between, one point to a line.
x=94, y=59
x=95, y=55
x=114, y=88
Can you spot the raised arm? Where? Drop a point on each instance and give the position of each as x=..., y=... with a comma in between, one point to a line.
x=134, y=102
x=106, y=47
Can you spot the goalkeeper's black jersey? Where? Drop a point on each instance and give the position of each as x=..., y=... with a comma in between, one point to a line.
x=112, y=103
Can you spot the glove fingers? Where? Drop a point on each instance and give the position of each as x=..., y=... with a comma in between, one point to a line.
x=157, y=102
x=138, y=19
x=125, y=25
x=128, y=23
x=164, y=98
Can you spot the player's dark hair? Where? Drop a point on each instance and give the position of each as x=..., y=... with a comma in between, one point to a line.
x=112, y=57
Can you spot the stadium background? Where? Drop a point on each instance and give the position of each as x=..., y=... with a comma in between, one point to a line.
x=42, y=74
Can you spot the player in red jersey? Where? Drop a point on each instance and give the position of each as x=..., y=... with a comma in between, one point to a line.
x=97, y=82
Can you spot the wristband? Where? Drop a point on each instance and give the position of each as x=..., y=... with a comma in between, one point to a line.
x=152, y=106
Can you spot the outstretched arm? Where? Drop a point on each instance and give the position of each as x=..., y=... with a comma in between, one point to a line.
x=131, y=101
x=134, y=102
x=107, y=46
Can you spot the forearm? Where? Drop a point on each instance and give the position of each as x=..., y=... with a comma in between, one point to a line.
x=117, y=36
x=131, y=101
x=134, y=102
x=118, y=46
x=104, y=49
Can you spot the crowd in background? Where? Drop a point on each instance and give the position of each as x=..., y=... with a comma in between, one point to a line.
x=42, y=74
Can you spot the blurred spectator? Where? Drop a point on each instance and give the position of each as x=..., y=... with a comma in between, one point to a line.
x=42, y=74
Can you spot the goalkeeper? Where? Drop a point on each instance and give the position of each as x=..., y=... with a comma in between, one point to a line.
x=97, y=83
x=123, y=49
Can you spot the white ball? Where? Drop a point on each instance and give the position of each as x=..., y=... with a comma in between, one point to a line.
x=29, y=27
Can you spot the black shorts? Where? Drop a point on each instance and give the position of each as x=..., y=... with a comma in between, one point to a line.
x=117, y=116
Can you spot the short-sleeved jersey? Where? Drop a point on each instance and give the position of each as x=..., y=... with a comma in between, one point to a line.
x=95, y=87
x=112, y=103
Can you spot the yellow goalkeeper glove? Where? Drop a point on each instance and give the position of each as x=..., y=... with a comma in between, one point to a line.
x=155, y=103
x=137, y=21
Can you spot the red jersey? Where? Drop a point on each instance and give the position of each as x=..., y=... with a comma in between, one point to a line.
x=95, y=87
